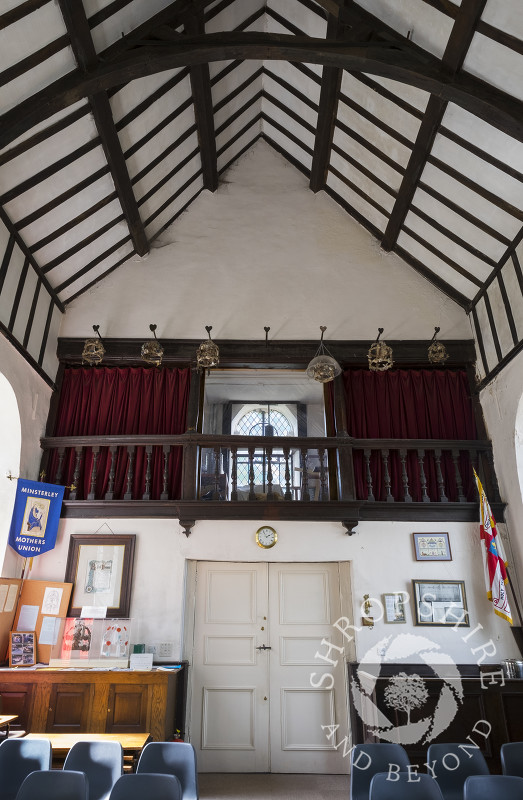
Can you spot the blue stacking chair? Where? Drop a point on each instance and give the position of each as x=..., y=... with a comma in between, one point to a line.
x=146, y=786
x=18, y=758
x=102, y=763
x=404, y=787
x=369, y=759
x=172, y=758
x=492, y=787
x=512, y=758
x=54, y=784
x=463, y=761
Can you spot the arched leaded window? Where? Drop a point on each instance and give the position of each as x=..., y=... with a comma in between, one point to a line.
x=263, y=421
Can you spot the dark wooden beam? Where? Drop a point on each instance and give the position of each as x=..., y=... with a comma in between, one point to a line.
x=458, y=44
x=203, y=109
x=31, y=259
x=287, y=354
x=327, y=112
x=87, y=58
x=402, y=63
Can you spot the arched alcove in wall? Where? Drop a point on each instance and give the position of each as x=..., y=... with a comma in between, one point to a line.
x=10, y=449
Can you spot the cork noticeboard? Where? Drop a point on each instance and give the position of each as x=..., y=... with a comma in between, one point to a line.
x=9, y=590
x=41, y=606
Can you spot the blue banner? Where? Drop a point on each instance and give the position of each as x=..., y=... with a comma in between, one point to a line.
x=35, y=517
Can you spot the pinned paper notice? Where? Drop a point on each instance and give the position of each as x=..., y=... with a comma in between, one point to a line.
x=12, y=596
x=3, y=595
x=52, y=600
x=27, y=618
x=49, y=630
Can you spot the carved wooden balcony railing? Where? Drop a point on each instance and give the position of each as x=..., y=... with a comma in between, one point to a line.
x=248, y=477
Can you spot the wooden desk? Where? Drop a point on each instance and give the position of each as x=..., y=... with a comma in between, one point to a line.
x=5, y=722
x=50, y=701
x=61, y=743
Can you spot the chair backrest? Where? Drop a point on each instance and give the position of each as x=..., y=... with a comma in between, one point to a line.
x=404, y=786
x=172, y=758
x=452, y=765
x=369, y=759
x=54, y=784
x=147, y=786
x=18, y=758
x=491, y=787
x=102, y=763
x=512, y=758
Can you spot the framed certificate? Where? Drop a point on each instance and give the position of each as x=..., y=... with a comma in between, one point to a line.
x=101, y=569
x=440, y=603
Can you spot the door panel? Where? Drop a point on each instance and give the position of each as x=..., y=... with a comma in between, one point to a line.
x=257, y=630
x=304, y=601
x=230, y=708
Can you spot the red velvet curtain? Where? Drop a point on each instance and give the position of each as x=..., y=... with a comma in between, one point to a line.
x=123, y=400
x=409, y=404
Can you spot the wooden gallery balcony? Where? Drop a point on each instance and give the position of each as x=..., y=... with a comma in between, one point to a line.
x=197, y=476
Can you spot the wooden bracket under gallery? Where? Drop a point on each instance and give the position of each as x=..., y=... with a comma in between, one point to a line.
x=187, y=524
x=350, y=524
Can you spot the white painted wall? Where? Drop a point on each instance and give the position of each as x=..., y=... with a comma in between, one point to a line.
x=157, y=606
x=264, y=250
x=20, y=448
x=501, y=401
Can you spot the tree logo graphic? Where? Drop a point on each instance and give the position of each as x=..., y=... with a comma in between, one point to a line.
x=406, y=693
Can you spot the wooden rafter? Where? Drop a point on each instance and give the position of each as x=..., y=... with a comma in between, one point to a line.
x=401, y=63
x=87, y=59
x=203, y=109
x=327, y=111
x=31, y=259
x=458, y=44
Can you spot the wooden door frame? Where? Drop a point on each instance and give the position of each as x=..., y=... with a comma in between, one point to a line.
x=346, y=606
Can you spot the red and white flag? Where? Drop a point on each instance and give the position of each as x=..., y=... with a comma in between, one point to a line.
x=494, y=560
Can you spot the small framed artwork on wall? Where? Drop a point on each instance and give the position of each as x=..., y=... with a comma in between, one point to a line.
x=440, y=603
x=394, y=607
x=432, y=547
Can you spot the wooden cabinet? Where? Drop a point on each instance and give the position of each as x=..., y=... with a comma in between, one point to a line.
x=480, y=704
x=89, y=701
x=127, y=709
x=17, y=698
x=68, y=708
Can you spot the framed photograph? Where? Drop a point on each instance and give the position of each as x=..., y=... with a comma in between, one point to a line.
x=101, y=569
x=440, y=603
x=394, y=608
x=432, y=547
x=22, y=648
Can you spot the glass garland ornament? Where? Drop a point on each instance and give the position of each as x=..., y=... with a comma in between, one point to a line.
x=208, y=353
x=323, y=367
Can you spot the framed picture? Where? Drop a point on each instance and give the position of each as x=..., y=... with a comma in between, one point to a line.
x=394, y=608
x=22, y=648
x=432, y=547
x=101, y=569
x=440, y=603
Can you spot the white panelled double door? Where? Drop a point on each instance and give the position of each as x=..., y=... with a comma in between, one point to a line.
x=257, y=630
